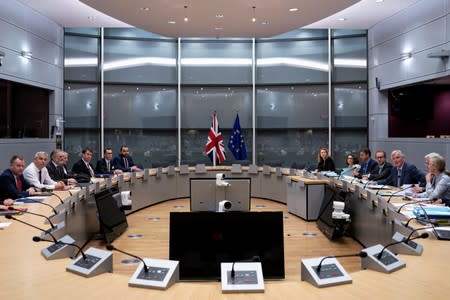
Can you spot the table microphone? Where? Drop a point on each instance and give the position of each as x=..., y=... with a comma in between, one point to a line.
x=422, y=236
x=57, y=196
x=319, y=266
x=396, y=192
x=380, y=189
x=110, y=247
x=35, y=214
x=31, y=225
x=43, y=203
x=39, y=239
x=255, y=258
x=414, y=202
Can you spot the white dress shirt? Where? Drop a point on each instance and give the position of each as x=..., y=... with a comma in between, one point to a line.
x=31, y=174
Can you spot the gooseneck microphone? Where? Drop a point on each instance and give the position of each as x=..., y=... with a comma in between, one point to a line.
x=409, y=203
x=110, y=247
x=422, y=236
x=39, y=239
x=35, y=214
x=396, y=192
x=360, y=254
x=31, y=225
x=39, y=202
x=57, y=196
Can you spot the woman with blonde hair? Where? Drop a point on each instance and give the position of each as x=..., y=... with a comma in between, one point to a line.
x=324, y=161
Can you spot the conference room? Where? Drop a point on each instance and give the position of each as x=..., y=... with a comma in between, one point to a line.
x=344, y=85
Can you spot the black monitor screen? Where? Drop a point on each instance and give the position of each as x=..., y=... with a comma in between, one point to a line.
x=200, y=241
x=113, y=221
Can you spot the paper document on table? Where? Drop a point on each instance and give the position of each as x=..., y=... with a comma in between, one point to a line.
x=378, y=187
x=4, y=224
x=31, y=199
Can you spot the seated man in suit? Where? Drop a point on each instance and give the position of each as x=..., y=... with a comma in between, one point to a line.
x=55, y=168
x=366, y=162
x=402, y=172
x=382, y=170
x=105, y=165
x=12, y=182
x=125, y=162
x=83, y=169
x=37, y=174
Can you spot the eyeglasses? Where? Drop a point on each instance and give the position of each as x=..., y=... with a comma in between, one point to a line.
x=380, y=157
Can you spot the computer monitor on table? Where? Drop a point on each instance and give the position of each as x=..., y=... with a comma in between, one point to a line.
x=200, y=241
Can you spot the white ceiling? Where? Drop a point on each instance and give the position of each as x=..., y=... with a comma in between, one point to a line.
x=204, y=22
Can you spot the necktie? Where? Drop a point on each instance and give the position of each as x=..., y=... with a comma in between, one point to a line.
x=399, y=177
x=19, y=183
x=91, y=172
x=60, y=172
x=125, y=162
x=379, y=170
x=40, y=176
x=107, y=166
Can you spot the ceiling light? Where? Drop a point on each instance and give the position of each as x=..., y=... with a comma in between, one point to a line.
x=406, y=55
x=172, y=22
x=27, y=54
x=254, y=15
x=145, y=8
x=185, y=14
x=293, y=9
x=265, y=22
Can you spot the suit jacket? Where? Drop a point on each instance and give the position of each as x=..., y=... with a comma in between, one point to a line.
x=80, y=168
x=57, y=173
x=8, y=188
x=118, y=163
x=385, y=172
x=102, y=168
x=410, y=175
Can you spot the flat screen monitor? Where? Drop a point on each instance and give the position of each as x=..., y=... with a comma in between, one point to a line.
x=200, y=241
x=205, y=195
x=112, y=219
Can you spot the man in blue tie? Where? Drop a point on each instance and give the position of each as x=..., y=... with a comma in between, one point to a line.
x=402, y=172
x=366, y=162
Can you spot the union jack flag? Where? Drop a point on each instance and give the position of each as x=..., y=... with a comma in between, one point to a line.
x=214, y=146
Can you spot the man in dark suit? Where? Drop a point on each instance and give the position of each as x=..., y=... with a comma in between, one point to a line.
x=83, y=170
x=124, y=161
x=56, y=168
x=105, y=165
x=12, y=182
x=382, y=170
x=402, y=172
x=366, y=162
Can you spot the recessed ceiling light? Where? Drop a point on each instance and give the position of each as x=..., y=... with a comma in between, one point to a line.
x=145, y=8
x=342, y=19
x=219, y=28
x=219, y=16
x=293, y=9
x=265, y=22
x=172, y=22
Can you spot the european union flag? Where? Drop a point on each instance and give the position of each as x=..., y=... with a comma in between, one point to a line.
x=236, y=143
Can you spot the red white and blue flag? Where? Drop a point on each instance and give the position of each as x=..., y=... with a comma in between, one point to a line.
x=214, y=148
